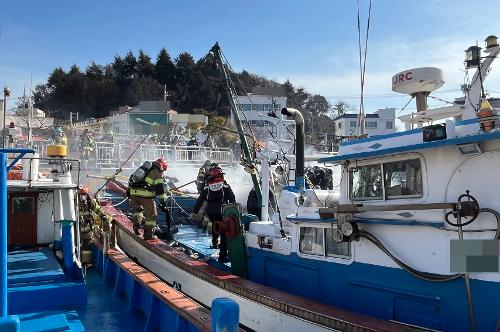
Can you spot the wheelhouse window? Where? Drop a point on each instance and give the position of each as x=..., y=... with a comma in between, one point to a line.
x=334, y=249
x=371, y=124
x=353, y=124
x=403, y=179
x=311, y=241
x=319, y=242
x=366, y=182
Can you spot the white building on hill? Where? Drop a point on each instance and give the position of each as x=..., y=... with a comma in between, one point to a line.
x=379, y=123
x=262, y=108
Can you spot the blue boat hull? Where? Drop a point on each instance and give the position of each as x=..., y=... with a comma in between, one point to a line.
x=386, y=293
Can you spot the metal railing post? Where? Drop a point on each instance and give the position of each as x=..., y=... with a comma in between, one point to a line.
x=7, y=323
x=96, y=153
x=119, y=154
x=3, y=234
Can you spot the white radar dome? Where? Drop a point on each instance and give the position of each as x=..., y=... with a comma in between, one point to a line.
x=426, y=79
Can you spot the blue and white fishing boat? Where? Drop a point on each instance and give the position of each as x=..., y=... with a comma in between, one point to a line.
x=384, y=246
x=53, y=280
x=375, y=255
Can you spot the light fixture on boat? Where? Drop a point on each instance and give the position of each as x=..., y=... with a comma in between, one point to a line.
x=338, y=236
x=469, y=149
x=348, y=228
x=472, y=56
x=434, y=132
x=491, y=41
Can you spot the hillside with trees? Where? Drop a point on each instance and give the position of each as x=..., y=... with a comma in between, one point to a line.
x=191, y=84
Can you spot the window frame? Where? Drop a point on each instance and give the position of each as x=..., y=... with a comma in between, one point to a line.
x=15, y=207
x=393, y=197
x=338, y=258
x=371, y=127
x=367, y=198
x=381, y=162
x=391, y=125
x=355, y=124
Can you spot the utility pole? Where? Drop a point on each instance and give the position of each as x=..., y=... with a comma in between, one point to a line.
x=71, y=117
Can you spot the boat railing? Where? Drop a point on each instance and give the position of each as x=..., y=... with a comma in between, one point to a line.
x=40, y=147
x=36, y=168
x=114, y=155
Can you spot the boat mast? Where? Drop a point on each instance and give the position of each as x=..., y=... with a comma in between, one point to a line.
x=362, y=66
x=30, y=114
x=243, y=140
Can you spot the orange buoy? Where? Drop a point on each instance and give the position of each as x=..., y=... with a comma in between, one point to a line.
x=15, y=175
x=486, y=111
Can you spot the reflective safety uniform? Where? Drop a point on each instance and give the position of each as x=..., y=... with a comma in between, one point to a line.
x=87, y=142
x=87, y=145
x=60, y=139
x=86, y=222
x=201, y=179
x=142, y=200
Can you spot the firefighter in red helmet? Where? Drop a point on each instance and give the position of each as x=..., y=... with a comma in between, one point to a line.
x=145, y=184
x=216, y=194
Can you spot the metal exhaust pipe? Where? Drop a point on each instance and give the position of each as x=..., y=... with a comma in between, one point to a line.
x=299, y=144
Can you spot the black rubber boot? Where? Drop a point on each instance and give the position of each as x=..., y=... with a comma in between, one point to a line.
x=149, y=233
x=136, y=230
x=223, y=258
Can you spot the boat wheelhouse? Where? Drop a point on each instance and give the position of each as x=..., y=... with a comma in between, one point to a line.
x=384, y=246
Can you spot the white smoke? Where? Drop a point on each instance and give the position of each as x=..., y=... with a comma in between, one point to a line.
x=239, y=180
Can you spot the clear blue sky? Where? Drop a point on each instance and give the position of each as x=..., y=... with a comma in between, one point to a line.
x=314, y=43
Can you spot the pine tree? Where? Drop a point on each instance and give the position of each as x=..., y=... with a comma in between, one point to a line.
x=144, y=66
x=56, y=78
x=129, y=65
x=165, y=69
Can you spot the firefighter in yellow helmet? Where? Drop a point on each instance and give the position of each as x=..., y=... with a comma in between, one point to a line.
x=145, y=184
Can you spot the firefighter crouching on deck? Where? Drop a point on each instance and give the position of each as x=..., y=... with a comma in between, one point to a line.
x=86, y=221
x=216, y=194
x=145, y=184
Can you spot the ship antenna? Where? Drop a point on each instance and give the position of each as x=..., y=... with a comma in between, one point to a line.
x=362, y=67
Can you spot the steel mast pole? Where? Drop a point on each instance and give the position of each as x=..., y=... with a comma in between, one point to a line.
x=3, y=235
x=6, y=93
x=244, y=143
